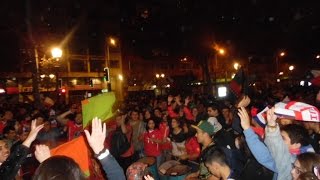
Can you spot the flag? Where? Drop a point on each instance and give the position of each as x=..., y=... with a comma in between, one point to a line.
x=77, y=150
x=238, y=84
x=260, y=117
x=98, y=106
x=297, y=111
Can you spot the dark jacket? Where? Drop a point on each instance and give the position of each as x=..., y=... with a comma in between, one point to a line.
x=10, y=168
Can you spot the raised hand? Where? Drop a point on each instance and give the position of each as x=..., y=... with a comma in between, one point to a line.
x=244, y=117
x=245, y=101
x=271, y=117
x=42, y=153
x=33, y=133
x=97, y=136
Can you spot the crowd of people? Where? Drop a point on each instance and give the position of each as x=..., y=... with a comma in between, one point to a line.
x=213, y=139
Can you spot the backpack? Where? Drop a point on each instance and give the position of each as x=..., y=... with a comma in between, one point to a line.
x=119, y=143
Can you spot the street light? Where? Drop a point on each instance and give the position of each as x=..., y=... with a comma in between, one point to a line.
x=281, y=54
x=56, y=53
x=318, y=56
x=112, y=41
x=162, y=75
x=222, y=51
x=157, y=75
x=291, y=68
x=236, y=66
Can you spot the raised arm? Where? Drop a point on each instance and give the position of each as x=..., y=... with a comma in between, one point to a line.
x=62, y=117
x=96, y=141
x=257, y=148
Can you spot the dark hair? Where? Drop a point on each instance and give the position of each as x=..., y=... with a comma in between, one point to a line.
x=58, y=167
x=191, y=131
x=308, y=161
x=156, y=124
x=8, y=128
x=297, y=134
x=213, y=154
x=307, y=176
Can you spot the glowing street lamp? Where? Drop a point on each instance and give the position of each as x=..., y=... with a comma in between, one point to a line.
x=112, y=41
x=162, y=75
x=318, y=56
x=291, y=68
x=56, y=53
x=221, y=51
x=157, y=75
x=282, y=54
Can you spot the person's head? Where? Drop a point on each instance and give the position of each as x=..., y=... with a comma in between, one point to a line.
x=304, y=163
x=9, y=132
x=136, y=171
x=147, y=114
x=213, y=111
x=284, y=121
x=7, y=115
x=58, y=167
x=294, y=136
x=46, y=126
x=151, y=125
x=4, y=151
x=39, y=117
x=216, y=161
x=157, y=112
x=307, y=176
x=195, y=111
x=225, y=112
x=312, y=127
x=134, y=115
x=204, y=131
x=175, y=123
x=78, y=118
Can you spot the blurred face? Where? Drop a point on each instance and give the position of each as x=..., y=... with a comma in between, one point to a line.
x=4, y=151
x=135, y=116
x=287, y=141
x=195, y=112
x=11, y=135
x=214, y=168
x=147, y=115
x=174, y=123
x=185, y=128
x=47, y=126
x=151, y=124
x=157, y=113
x=39, y=121
x=225, y=112
x=284, y=122
x=296, y=170
x=78, y=118
x=8, y=115
x=200, y=136
x=212, y=113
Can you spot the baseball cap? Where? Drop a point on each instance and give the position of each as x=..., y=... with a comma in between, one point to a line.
x=205, y=126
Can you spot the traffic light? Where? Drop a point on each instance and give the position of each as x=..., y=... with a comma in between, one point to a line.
x=106, y=74
x=91, y=82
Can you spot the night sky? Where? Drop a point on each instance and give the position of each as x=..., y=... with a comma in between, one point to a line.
x=173, y=28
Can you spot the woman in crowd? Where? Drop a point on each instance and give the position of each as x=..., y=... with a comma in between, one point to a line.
x=177, y=138
x=152, y=140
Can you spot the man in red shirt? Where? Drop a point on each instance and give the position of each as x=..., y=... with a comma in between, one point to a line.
x=75, y=127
